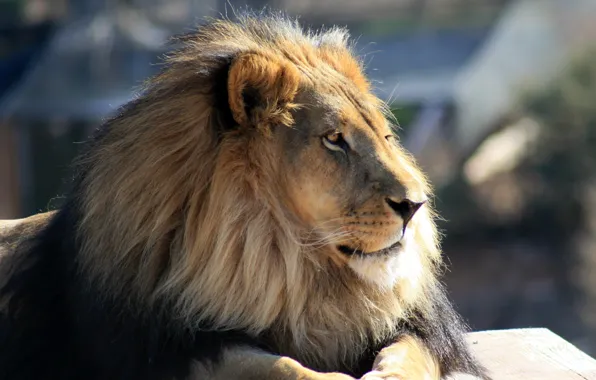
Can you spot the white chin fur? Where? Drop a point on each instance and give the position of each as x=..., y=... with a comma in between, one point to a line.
x=386, y=271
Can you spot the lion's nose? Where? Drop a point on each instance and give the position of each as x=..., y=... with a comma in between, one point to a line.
x=405, y=208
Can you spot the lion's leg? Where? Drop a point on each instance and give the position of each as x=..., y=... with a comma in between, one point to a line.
x=408, y=359
x=250, y=364
x=13, y=231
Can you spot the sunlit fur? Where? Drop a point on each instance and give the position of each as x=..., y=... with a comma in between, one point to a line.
x=186, y=208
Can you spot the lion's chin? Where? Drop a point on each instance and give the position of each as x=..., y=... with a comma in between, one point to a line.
x=387, y=270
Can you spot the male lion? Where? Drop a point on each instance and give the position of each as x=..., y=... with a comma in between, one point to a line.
x=249, y=216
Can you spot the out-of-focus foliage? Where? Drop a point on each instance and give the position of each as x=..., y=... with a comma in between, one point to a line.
x=565, y=153
x=557, y=162
x=565, y=164
x=537, y=213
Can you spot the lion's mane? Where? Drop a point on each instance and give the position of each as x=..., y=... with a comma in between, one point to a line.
x=174, y=222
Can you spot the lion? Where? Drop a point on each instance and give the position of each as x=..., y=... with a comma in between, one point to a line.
x=251, y=214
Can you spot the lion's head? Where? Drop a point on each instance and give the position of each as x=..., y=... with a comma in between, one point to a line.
x=257, y=182
x=348, y=181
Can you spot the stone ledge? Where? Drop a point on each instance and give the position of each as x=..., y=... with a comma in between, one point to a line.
x=529, y=354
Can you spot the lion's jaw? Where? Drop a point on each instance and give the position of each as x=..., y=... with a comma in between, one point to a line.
x=403, y=263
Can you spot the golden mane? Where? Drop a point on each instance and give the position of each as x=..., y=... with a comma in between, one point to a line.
x=178, y=207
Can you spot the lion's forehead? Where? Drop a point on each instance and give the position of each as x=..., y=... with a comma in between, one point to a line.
x=361, y=122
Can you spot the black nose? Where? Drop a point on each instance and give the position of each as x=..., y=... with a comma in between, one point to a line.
x=405, y=208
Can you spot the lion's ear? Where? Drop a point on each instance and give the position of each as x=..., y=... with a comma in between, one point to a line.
x=261, y=90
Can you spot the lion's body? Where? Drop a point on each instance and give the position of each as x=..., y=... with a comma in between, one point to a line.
x=191, y=232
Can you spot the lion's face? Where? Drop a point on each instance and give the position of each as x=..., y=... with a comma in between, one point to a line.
x=352, y=183
x=347, y=178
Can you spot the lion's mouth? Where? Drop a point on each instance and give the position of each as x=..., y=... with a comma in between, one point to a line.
x=349, y=251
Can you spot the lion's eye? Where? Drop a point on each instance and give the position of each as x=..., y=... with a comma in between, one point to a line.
x=335, y=141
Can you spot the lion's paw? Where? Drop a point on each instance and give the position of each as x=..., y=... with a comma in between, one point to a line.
x=381, y=375
x=335, y=376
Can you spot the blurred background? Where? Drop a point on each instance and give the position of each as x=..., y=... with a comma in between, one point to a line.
x=496, y=99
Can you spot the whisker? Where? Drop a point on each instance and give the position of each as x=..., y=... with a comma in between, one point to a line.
x=326, y=238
